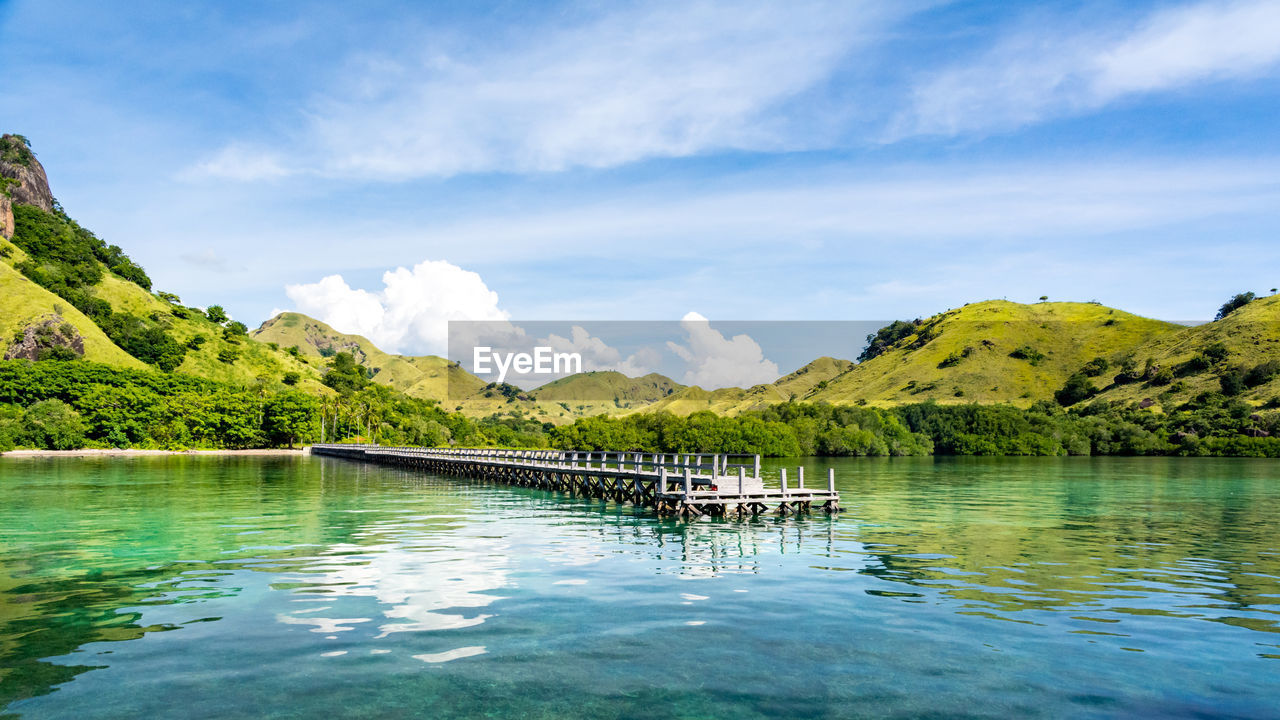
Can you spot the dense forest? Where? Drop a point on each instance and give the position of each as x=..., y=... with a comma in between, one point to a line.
x=65, y=404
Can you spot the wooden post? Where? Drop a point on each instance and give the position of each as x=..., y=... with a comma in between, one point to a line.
x=784, y=481
x=831, y=479
x=757, y=467
x=800, y=479
x=662, y=479
x=741, y=476
x=688, y=482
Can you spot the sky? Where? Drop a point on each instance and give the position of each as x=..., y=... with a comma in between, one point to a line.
x=389, y=166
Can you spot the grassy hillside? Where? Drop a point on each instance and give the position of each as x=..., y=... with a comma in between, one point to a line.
x=428, y=377
x=1244, y=339
x=993, y=352
x=796, y=386
x=23, y=303
x=254, y=361
x=606, y=389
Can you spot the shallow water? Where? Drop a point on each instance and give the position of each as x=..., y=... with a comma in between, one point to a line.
x=304, y=587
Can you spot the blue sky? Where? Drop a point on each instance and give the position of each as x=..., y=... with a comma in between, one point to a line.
x=388, y=166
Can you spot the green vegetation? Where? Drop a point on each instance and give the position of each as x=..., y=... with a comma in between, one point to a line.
x=1234, y=304
x=16, y=150
x=886, y=337
x=987, y=378
x=69, y=261
x=1212, y=424
x=65, y=405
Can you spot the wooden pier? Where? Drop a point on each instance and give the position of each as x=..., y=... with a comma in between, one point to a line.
x=684, y=485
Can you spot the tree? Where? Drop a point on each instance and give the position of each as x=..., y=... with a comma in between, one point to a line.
x=1044, y=298
x=216, y=314
x=882, y=339
x=235, y=327
x=1234, y=304
x=1076, y=389
x=54, y=425
x=288, y=417
x=291, y=378
x=345, y=374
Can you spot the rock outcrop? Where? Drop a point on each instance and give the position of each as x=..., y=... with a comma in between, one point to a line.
x=22, y=180
x=52, y=336
x=6, y=216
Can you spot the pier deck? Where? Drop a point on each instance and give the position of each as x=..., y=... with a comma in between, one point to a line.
x=684, y=485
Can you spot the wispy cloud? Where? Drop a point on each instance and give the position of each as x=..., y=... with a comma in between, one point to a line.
x=239, y=162
x=1041, y=201
x=649, y=81
x=1033, y=76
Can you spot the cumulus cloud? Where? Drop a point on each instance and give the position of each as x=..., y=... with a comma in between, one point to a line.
x=1033, y=76
x=410, y=314
x=715, y=361
x=598, y=355
x=595, y=90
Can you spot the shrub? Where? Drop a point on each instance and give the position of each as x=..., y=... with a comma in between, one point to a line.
x=1261, y=373
x=1234, y=304
x=1197, y=364
x=228, y=355
x=1028, y=353
x=216, y=314
x=1232, y=382
x=58, y=353
x=1217, y=352
x=1077, y=389
x=1095, y=367
x=291, y=378
x=884, y=338
x=54, y=425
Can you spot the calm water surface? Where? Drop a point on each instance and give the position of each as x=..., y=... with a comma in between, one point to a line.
x=307, y=587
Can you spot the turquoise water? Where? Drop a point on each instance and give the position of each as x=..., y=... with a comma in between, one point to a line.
x=307, y=587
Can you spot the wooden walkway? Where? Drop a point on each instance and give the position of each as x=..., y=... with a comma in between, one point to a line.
x=684, y=485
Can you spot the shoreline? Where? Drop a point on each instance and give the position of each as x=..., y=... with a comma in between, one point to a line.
x=131, y=452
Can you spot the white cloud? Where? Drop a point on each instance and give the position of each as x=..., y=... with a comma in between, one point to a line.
x=645, y=81
x=715, y=361
x=241, y=162
x=598, y=355
x=410, y=313
x=1034, y=76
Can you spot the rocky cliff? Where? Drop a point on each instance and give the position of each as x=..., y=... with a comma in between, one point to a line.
x=22, y=180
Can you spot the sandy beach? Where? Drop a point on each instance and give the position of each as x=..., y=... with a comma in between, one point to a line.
x=114, y=452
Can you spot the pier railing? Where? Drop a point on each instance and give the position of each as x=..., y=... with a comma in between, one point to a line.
x=684, y=483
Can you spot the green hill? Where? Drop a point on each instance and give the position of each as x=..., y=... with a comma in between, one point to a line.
x=55, y=272
x=992, y=352
x=428, y=377
x=800, y=385
x=1193, y=360
x=609, y=387
x=24, y=304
